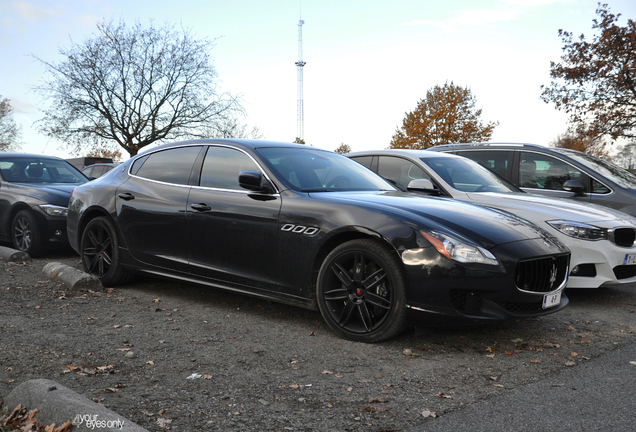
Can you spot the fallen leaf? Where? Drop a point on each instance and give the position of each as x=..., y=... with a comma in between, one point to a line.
x=535, y=361
x=150, y=362
x=490, y=355
x=156, y=300
x=570, y=328
x=509, y=353
x=407, y=352
x=161, y=412
x=573, y=354
x=442, y=395
x=312, y=334
x=207, y=376
x=326, y=372
x=489, y=349
x=378, y=400
x=499, y=385
x=428, y=413
x=494, y=378
x=349, y=389
x=112, y=390
x=570, y=363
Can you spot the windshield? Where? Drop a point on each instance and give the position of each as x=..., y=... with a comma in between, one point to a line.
x=618, y=175
x=468, y=176
x=34, y=170
x=312, y=170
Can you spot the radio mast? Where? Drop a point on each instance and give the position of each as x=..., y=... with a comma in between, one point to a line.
x=299, y=65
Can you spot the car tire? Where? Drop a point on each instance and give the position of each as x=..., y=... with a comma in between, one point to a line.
x=25, y=234
x=100, y=253
x=360, y=291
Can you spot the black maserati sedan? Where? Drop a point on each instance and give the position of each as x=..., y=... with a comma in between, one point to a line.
x=34, y=194
x=312, y=228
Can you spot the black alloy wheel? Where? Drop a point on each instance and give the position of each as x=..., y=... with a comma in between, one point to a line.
x=25, y=234
x=100, y=252
x=360, y=291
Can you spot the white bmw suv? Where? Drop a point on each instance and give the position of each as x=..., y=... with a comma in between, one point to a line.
x=602, y=240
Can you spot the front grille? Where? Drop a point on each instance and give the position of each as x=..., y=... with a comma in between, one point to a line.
x=624, y=237
x=624, y=271
x=543, y=274
x=521, y=308
x=467, y=301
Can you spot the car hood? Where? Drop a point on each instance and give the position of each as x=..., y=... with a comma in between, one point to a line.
x=539, y=209
x=56, y=193
x=489, y=228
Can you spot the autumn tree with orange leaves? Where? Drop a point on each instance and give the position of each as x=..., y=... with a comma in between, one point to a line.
x=583, y=142
x=595, y=82
x=446, y=115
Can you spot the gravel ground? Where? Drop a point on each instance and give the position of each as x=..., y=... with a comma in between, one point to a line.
x=186, y=358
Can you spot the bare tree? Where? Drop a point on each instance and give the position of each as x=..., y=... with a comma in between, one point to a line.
x=230, y=127
x=9, y=131
x=134, y=87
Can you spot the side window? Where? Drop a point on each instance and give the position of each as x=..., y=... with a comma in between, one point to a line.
x=88, y=172
x=545, y=172
x=222, y=166
x=496, y=160
x=599, y=188
x=169, y=166
x=364, y=160
x=400, y=171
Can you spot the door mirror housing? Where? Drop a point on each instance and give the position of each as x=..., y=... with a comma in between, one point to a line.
x=422, y=185
x=255, y=182
x=574, y=186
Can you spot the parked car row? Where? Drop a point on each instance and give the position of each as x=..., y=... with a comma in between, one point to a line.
x=319, y=230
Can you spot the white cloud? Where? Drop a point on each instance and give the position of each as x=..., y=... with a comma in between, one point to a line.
x=29, y=12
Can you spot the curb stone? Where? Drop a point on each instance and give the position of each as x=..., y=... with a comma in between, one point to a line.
x=57, y=404
x=75, y=279
x=8, y=254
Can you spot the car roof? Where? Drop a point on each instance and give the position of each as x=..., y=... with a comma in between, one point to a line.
x=415, y=154
x=15, y=155
x=244, y=143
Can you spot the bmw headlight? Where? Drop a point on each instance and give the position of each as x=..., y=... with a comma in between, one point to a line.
x=53, y=210
x=459, y=250
x=579, y=230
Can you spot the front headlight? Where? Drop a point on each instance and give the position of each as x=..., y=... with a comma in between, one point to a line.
x=53, y=210
x=458, y=250
x=579, y=230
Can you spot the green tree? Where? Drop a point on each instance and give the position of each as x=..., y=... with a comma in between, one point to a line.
x=595, y=82
x=10, y=132
x=343, y=148
x=134, y=87
x=446, y=115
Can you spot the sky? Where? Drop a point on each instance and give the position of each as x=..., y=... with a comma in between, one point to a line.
x=368, y=63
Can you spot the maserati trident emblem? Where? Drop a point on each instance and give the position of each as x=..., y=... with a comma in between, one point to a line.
x=553, y=273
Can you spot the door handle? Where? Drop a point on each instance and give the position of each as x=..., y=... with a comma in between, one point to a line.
x=202, y=207
x=126, y=196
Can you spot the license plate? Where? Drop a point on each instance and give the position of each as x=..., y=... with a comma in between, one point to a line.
x=551, y=300
x=630, y=259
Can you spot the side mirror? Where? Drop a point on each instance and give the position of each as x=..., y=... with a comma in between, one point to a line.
x=422, y=185
x=574, y=186
x=254, y=181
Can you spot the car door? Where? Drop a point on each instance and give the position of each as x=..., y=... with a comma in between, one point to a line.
x=233, y=233
x=151, y=207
